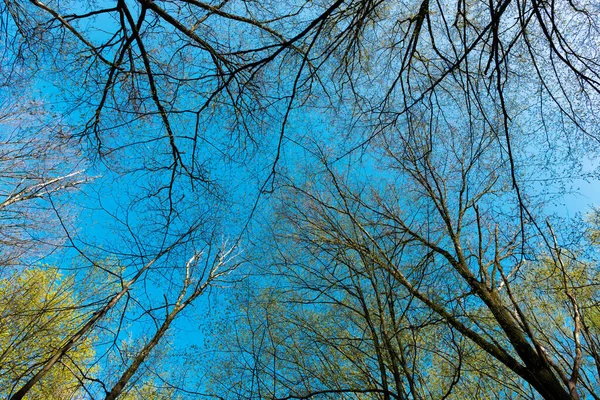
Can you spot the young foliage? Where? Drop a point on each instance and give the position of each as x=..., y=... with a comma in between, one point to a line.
x=39, y=310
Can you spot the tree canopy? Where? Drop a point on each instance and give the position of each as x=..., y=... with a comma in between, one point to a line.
x=39, y=310
x=303, y=199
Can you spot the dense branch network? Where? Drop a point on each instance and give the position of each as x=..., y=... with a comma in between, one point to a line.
x=447, y=116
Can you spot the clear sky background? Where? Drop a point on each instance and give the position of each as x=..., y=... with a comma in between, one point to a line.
x=133, y=207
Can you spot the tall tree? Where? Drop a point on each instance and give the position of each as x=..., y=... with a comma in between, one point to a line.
x=194, y=112
x=38, y=310
x=37, y=164
x=432, y=263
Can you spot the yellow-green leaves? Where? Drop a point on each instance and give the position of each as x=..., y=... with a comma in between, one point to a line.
x=38, y=311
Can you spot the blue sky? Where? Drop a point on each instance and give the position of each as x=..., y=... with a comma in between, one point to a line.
x=133, y=207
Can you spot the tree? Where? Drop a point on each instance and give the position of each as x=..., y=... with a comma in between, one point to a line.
x=336, y=50
x=438, y=267
x=38, y=311
x=194, y=285
x=193, y=112
x=36, y=165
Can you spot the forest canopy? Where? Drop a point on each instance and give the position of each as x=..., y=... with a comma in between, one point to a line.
x=299, y=199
